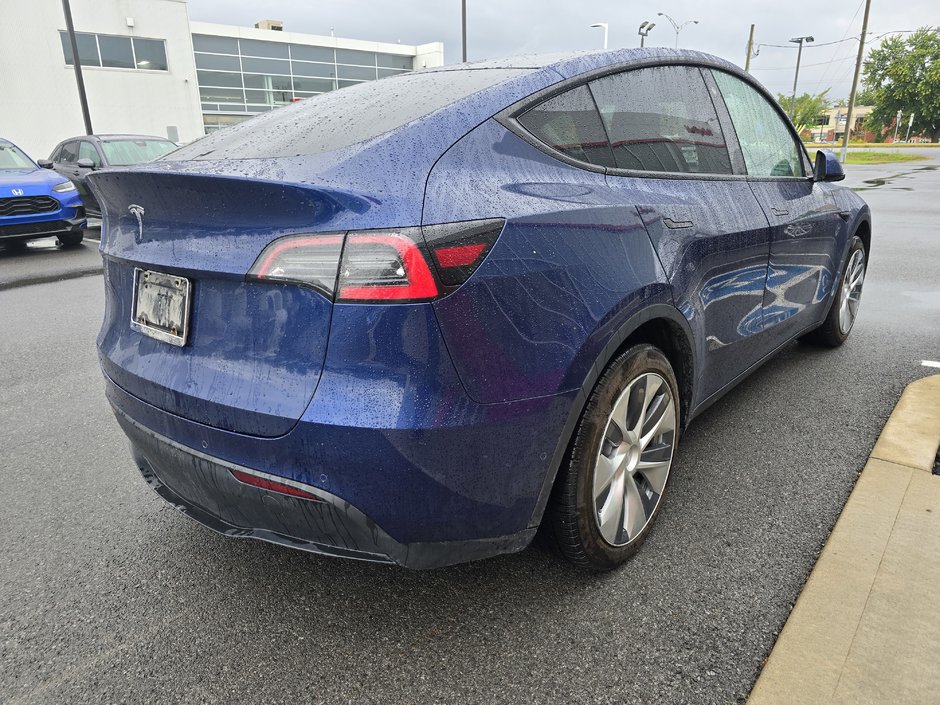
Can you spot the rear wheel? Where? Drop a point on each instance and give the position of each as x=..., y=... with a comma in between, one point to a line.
x=611, y=489
x=71, y=239
x=845, y=301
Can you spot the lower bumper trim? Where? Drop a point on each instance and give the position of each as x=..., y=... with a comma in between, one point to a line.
x=204, y=489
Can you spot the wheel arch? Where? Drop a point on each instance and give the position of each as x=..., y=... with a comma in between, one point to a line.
x=662, y=325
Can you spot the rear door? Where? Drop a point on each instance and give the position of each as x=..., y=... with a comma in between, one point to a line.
x=673, y=161
x=804, y=219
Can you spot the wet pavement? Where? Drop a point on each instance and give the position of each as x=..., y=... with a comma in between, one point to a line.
x=44, y=260
x=109, y=595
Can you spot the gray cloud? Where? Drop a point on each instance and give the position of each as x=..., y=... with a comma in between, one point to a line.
x=523, y=26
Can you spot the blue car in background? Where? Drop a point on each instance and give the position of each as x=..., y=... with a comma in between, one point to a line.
x=415, y=320
x=35, y=202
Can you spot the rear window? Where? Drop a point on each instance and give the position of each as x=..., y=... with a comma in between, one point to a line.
x=344, y=117
x=124, y=152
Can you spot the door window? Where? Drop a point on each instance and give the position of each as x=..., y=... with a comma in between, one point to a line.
x=570, y=124
x=662, y=119
x=69, y=153
x=87, y=150
x=767, y=143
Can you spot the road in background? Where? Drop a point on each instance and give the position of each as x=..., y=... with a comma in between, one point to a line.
x=109, y=595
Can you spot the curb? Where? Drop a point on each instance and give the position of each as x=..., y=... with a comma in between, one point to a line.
x=46, y=278
x=866, y=627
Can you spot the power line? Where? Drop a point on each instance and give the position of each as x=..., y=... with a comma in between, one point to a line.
x=833, y=57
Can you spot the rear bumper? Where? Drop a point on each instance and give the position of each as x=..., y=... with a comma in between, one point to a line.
x=204, y=489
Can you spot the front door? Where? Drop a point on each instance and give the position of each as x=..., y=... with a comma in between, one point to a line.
x=803, y=216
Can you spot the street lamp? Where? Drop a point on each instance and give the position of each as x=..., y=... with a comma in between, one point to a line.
x=676, y=26
x=799, y=41
x=602, y=25
x=645, y=30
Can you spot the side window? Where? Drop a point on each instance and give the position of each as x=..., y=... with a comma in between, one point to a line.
x=87, y=150
x=569, y=123
x=767, y=144
x=662, y=119
x=69, y=153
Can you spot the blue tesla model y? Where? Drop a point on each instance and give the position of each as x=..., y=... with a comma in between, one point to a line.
x=414, y=320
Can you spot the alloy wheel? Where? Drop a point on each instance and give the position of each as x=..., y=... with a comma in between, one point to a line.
x=851, y=292
x=634, y=459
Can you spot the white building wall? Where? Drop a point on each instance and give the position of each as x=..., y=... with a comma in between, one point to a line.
x=39, y=103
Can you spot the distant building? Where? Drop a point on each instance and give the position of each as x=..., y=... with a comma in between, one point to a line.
x=830, y=126
x=149, y=70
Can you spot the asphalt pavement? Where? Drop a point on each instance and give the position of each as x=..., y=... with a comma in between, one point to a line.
x=109, y=595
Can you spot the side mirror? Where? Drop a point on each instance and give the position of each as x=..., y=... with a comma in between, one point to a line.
x=827, y=167
x=85, y=164
x=45, y=163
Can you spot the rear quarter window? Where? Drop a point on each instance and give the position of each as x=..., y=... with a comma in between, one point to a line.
x=569, y=123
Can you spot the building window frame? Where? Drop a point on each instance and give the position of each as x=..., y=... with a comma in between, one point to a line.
x=63, y=37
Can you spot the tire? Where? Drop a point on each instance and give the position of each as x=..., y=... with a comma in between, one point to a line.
x=845, y=300
x=604, y=502
x=71, y=239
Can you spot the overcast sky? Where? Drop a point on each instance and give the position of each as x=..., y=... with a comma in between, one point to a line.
x=507, y=27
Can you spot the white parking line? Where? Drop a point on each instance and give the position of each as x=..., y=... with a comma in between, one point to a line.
x=929, y=363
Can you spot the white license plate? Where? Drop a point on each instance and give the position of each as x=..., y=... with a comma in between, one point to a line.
x=161, y=306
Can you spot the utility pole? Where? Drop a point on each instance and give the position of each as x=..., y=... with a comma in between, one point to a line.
x=750, y=48
x=77, y=65
x=463, y=17
x=858, y=70
x=799, y=53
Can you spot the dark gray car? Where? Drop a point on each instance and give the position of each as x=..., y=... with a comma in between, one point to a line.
x=76, y=157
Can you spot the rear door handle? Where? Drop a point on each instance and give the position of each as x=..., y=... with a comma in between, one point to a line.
x=779, y=211
x=674, y=224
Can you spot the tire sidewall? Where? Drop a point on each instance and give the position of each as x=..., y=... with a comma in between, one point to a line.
x=855, y=245
x=634, y=362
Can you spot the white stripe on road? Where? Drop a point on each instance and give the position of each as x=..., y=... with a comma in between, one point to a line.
x=929, y=363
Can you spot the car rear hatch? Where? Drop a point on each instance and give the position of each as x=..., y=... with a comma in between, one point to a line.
x=253, y=351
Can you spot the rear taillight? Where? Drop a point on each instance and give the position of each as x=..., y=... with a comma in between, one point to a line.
x=396, y=265
x=312, y=260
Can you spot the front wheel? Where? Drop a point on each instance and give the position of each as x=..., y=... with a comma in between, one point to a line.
x=845, y=301
x=611, y=488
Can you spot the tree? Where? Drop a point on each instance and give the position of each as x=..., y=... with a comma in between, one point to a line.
x=806, y=109
x=903, y=73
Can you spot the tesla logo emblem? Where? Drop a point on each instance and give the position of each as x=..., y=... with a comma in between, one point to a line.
x=138, y=212
x=17, y=192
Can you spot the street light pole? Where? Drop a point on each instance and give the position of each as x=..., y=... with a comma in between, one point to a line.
x=644, y=31
x=676, y=26
x=463, y=21
x=602, y=25
x=77, y=65
x=750, y=48
x=799, y=53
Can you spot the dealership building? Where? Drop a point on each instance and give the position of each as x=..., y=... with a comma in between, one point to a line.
x=149, y=70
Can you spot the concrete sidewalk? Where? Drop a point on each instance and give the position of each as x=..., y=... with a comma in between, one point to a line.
x=866, y=628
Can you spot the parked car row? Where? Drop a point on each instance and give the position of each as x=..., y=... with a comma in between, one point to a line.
x=48, y=197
